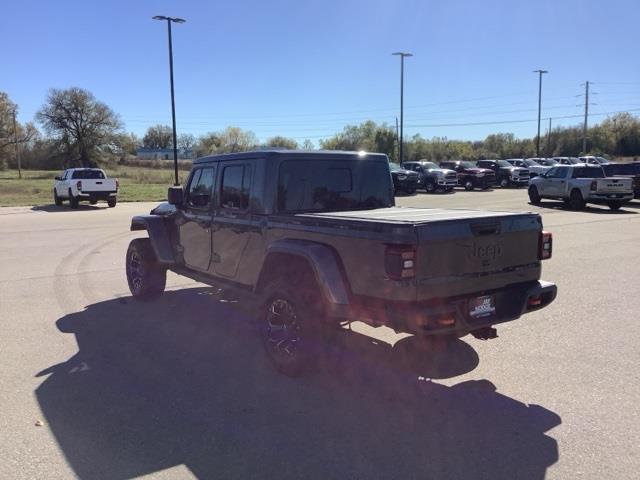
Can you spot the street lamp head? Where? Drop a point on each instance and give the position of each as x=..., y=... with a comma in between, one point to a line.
x=174, y=20
x=403, y=54
x=541, y=71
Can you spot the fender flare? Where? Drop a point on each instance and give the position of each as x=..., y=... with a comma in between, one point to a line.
x=322, y=260
x=158, y=235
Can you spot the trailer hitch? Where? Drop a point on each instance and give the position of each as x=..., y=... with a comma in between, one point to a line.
x=485, y=333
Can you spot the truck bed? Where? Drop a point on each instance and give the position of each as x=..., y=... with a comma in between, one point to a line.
x=411, y=215
x=458, y=251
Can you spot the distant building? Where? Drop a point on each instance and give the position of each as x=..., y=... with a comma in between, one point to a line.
x=163, y=153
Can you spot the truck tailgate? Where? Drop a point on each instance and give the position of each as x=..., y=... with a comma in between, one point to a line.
x=614, y=185
x=475, y=254
x=102, y=185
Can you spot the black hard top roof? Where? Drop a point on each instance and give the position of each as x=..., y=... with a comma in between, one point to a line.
x=293, y=154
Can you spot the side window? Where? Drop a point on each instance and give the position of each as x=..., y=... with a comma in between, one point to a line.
x=200, y=188
x=559, y=172
x=235, y=187
x=551, y=173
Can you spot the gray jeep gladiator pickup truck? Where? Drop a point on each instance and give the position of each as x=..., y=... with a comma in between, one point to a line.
x=316, y=240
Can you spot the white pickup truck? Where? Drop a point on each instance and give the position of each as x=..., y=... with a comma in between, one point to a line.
x=580, y=184
x=85, y=184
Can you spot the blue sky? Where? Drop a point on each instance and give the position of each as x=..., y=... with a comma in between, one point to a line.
x=304, y=69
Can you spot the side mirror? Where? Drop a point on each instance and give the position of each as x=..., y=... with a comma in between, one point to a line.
x=175, y=196
x=58, y=177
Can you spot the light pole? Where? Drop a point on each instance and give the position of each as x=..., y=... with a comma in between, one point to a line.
x=402, y=55
x=173, y=102
x=540, y=72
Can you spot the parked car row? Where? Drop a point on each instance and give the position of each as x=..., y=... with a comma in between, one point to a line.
x=482, y=174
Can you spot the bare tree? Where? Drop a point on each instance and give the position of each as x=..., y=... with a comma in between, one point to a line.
x=11, y=132
x=186, y=141
x=82, y=125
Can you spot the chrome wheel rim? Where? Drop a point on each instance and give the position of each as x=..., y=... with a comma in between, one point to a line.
x=283, y=329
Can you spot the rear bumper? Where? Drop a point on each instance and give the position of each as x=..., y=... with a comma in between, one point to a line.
x=605, y=198
x=448, y=316
x=96, y=195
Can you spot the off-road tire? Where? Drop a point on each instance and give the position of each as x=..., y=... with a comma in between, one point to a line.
x=56, y=199
x=112, y=202
x=468, y=185
x=73, y=201
x=145, y=276
x=504, y=183
x=576, y=202
x=534, y=195
x=293, y=326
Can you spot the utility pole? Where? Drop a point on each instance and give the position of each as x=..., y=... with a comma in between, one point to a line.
x=15, y=140
x=540, y=72
x=549, y=152
x=586, y=116
x=402, y=55
x=170, y=20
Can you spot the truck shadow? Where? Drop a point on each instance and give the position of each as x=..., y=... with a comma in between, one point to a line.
x=183, y=381
x=52, y=208
x=587, y=209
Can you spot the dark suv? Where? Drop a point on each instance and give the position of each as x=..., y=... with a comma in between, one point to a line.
x=470, y=176
x=506, y=174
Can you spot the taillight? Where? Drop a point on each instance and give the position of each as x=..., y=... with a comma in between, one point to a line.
x=117, y=184
x=594, y=186
x=79, y=185
x=400, y=261
x=545, y=245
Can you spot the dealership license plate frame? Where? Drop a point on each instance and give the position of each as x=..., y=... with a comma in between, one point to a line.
x=482, y=306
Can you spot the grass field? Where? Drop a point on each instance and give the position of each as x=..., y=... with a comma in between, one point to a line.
x=137, y=184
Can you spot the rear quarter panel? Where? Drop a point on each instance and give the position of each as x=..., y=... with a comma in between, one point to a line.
x=360, y=248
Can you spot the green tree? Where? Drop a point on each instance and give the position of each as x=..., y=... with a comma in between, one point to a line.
x=231, y=139
x=157, y=137
x=82, y=126
x=282, y=142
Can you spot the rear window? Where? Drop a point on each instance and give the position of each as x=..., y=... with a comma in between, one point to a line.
x=88, y=175
x=588, y=172
x=333, y=185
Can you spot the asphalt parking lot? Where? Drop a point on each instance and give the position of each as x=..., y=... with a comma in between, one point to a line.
x=180, y=388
